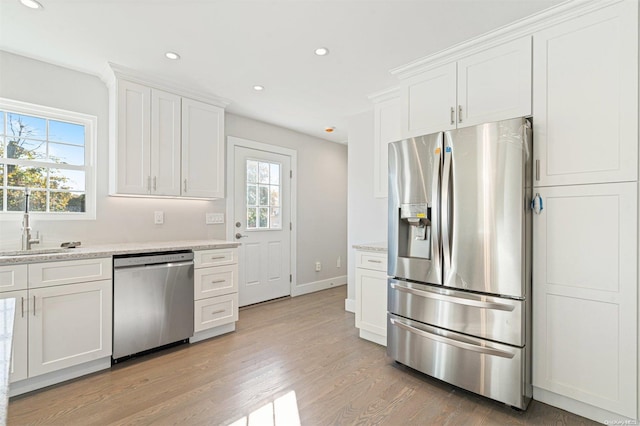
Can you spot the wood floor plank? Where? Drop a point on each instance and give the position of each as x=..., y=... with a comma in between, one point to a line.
x=306, y=345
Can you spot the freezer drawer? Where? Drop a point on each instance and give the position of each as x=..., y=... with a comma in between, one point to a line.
x=491, y=369
x=488, y=317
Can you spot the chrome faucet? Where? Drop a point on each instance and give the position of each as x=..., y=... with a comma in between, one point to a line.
x=27, y=241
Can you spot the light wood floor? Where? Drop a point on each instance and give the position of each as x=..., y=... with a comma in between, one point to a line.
x=307, y=345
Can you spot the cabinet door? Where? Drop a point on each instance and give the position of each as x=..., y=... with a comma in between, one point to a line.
x=69, y=325
x=387, y=129
x=585, y=295
x=165, y=143
x=495, y=84
x=18, y=368
x=429, y=102
x=202, y=150
x=585, y=98
x=133, y=145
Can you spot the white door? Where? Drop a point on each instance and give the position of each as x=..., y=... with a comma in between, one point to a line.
x=262, y=217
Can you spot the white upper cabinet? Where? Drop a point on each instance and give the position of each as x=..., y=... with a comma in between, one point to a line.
x=132, y=164
x=492, y=85
x=387, y=129
x=202, y=150
x=495, y=84
x=429, y=102
x=165, y=143
x=585, y=97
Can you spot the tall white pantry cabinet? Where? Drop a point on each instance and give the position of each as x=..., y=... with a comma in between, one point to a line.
x=585, y=113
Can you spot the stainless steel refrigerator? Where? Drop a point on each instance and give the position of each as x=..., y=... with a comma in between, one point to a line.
x=460, y=258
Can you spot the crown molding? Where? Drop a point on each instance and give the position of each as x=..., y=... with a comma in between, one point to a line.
x=114, y=72
x=385, y=95
x=521, y=28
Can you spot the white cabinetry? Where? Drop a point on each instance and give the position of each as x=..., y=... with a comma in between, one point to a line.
x=491, y=85
x=586, y=98
x=585, y=295
x=202, y=150
x=63, y=319
x=585, y=257
x=165, y=143
x=387, y=129
x=215, y=292
x=371, y=295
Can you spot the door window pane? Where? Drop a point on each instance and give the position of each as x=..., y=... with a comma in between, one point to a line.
x=263, y=192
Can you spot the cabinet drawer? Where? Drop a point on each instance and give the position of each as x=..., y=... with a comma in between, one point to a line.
x=68, y=272
x=371, y=260
x=215, y=281
x=215, y=311
x=205, y=258
x=13, y=277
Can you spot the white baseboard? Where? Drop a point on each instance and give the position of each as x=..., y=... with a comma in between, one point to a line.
x=350, y=305
x=301, y=289
x=580, y=408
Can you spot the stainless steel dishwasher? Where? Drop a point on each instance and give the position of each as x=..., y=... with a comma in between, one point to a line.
x=152, y=301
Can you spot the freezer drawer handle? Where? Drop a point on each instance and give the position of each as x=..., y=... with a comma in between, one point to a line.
x=459, y=300
x=451, y=340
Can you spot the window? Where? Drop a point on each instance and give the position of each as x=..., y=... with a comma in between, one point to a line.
x=263, y=195
x=49, y=151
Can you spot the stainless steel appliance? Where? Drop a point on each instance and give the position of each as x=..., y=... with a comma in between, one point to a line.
x=152, y=301
x=460, y=255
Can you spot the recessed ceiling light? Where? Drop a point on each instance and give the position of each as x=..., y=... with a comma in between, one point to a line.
x=329, y=129
x=258, y=88
x=172, y=55
x=31, y=4
x=321, y=51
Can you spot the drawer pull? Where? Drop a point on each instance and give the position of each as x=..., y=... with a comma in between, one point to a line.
x=451, y=340
x=217, y=281
x=468, y=300
x=217, y=312
x=374, y=261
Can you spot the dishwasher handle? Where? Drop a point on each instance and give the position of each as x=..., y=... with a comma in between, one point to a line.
x=155, y=265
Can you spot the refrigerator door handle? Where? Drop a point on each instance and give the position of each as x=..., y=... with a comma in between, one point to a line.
x=469, y=300
x=451, y=340
x=446, y=214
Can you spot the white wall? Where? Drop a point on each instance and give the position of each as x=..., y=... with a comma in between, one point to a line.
x=367, y=218
x=322, y=179
x=322, y=197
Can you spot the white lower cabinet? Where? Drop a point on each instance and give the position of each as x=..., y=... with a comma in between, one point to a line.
x=585, y=326
x=69, y=325
x=215, y=292
x=371, y=295
x=63, y=319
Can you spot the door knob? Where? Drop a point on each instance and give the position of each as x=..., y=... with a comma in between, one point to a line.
x=239, y=235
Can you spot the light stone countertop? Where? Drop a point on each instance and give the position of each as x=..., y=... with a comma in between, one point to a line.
x=107, y=250
x=7, y=315
x=379, y=247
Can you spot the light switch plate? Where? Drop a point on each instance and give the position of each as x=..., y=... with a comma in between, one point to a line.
x=214, y=218
x=158, y=217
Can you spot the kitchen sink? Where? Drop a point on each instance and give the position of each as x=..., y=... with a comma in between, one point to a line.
x=32, y=252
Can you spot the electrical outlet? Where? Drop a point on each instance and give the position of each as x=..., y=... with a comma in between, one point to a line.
x=338, y=262
x=214, y=218
x=158, y=217
x=318, y=266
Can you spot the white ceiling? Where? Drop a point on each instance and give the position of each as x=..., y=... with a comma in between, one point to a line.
x=228, y=46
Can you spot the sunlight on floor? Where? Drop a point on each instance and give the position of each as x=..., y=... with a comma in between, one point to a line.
x=283, y=411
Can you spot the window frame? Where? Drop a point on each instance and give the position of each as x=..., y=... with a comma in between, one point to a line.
x=90, y=123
